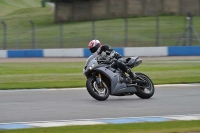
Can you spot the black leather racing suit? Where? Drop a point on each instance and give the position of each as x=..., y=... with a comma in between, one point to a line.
x=119, y=63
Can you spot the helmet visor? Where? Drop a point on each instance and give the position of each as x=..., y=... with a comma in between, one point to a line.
x=95, y=48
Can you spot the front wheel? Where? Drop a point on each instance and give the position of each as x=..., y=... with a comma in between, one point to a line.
x=96, y=92
x=144, y=91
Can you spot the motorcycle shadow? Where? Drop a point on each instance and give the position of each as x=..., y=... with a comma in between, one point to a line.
x=123, y=99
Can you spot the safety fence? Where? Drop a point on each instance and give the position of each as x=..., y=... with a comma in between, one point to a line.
x=123, y=32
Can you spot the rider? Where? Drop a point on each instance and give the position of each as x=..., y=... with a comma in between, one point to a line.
x=97, y=48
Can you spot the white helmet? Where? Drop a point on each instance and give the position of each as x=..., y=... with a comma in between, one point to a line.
x=94, y=45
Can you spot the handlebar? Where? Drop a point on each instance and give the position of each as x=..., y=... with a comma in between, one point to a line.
x=106, y=59
x=107, y=62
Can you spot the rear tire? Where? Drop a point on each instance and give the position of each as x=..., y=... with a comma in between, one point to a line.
x=144, y=91
x=100, y=94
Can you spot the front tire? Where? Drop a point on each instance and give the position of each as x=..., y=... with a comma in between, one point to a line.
x=100, y=94
x=144, y=91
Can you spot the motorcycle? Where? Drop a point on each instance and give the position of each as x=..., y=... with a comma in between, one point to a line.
x=104, y=80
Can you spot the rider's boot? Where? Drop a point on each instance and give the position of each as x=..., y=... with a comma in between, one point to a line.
x=131, y=74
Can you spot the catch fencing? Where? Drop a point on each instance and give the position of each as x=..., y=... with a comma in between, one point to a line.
x=151, y=31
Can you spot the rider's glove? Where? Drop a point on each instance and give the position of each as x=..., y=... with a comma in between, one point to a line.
x=116, y=55
x=103, y=54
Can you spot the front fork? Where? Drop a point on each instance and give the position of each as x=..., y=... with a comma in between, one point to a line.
x=99, y=81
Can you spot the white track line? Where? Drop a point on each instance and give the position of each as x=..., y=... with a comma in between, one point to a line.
x=83, y=88
x=54, y=123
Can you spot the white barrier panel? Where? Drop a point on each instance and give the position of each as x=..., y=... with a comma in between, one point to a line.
x=145, y=51
x=74, y=52
x=3, y=53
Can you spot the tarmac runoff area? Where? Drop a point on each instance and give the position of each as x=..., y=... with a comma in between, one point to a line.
x=65, y=107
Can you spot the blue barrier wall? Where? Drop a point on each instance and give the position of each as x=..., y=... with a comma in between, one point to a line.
x=183, y=50
x=86, y=52
x=24, y=53
x=128, y=51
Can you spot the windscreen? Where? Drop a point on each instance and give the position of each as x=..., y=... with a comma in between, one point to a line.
x=89, y=59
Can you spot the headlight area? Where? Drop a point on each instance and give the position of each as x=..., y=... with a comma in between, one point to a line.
x=87, y=71
x=91, y=66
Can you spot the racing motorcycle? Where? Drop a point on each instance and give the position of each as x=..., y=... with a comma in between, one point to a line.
x=104, y=80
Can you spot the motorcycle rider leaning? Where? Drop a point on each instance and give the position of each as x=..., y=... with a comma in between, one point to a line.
x=97, y=48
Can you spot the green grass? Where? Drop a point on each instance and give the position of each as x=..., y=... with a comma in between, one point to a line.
x=65, y=75
x=141, y=30
x=161, y=127
x=9, y=6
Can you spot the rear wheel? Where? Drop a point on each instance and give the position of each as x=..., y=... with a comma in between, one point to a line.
x=144, y=90
x=96, y=92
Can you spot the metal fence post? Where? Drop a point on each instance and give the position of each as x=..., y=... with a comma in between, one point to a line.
x=61, y=35
x=125, y=32
x=93, y=29
x=33, y=33
x=190, y=29
x=157, y=31
x=4, y=34
x=43, y=2
x=184, y=35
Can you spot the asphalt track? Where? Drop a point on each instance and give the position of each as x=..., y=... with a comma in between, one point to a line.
x=70, y=104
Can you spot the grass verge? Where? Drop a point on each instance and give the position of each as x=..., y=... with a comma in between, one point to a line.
x=65, y=75
x=161, y=127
